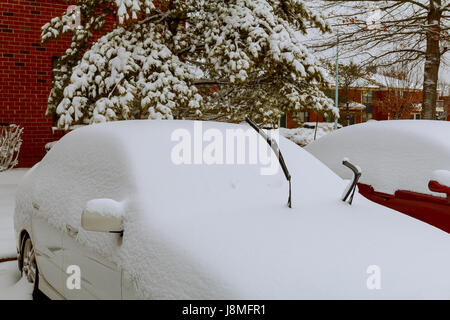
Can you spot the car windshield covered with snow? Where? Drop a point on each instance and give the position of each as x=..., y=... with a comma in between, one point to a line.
x=205, y=215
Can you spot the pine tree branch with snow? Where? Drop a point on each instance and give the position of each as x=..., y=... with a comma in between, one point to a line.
x=157, y=59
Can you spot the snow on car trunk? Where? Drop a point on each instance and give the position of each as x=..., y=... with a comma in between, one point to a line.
x=212, y=231
x=393, y=155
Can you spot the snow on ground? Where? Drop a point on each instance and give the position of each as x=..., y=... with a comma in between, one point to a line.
x=12, y=285
x=393, y=155
x=304, y=136
x=8, y=185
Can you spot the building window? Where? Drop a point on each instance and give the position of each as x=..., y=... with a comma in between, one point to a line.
x=283, y=122
x=414, y=116
x=302, y=116
x=299, y=117
x=399, y=93
x=367, y=97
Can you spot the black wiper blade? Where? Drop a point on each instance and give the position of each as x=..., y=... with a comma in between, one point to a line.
x=349, y=192
x=274, y=145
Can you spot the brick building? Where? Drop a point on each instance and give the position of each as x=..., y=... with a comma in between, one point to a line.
x=26, y=72
x=362, y=98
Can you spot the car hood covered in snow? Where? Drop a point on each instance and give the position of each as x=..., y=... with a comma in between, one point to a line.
x=224, y=231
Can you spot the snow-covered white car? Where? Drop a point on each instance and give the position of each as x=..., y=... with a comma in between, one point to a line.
x=112, y=206
x=405, y=164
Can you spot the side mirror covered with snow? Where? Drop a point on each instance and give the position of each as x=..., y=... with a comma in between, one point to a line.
x=103, y=215
x=440, y=182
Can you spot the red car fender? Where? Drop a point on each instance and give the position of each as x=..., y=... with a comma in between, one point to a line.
x=427, y=208
x=437, y=187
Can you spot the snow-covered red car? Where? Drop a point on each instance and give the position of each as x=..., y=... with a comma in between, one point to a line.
x=113, y=207
x=405, y=164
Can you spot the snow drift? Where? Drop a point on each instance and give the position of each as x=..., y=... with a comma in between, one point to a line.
x=224, y=231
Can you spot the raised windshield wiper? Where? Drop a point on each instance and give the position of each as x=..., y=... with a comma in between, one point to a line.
x=273, y=144
x=349, y=192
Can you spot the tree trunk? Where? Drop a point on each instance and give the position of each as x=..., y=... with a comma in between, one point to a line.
x=432, y=62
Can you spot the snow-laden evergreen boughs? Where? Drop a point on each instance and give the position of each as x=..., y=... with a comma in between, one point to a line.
x=128, y=74
x=151, y=65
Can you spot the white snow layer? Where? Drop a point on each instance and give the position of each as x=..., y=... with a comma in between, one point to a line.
x=107, y=207
x=394, y=155
x=304, y=136
x=224, y=231
x=8, y=184
x=12, y=285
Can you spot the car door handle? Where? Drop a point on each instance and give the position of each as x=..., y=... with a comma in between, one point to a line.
x=72, y=231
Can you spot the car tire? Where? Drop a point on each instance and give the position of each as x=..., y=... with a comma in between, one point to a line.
x=30, y=269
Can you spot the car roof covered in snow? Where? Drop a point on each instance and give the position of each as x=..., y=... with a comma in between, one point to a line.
x=224, y=231
x=393, y=155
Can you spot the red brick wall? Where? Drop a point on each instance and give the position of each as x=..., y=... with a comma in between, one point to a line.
x=353, y=95
x=26, y=72
x=314, y=116
x=290, y=123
